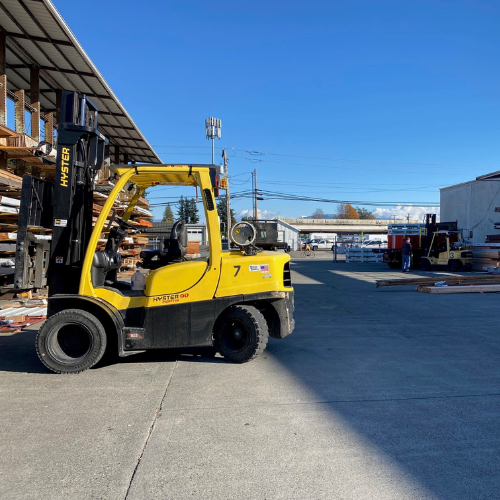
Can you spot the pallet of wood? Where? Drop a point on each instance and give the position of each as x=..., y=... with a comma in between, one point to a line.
x=442, y=279
x=459, y=289
x=193, y=247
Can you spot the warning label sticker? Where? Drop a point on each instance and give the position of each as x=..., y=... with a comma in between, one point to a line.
x=60, y=222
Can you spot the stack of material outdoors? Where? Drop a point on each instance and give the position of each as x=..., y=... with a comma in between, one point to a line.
x=448, y=284
x=362, y=254
x=14, y=318
x=485, y=255
x=193, y=250
x=22, y=147
x=130, y=251
x=10, y=194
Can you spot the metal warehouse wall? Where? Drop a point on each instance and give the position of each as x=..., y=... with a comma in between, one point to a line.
x=291, y=235
x=473, y=204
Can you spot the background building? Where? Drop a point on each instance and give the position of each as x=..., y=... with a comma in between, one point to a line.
x=475, y=205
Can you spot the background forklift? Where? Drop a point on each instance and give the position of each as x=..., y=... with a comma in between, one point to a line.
x=230, y=302
x=439, y=244
x=447, y=250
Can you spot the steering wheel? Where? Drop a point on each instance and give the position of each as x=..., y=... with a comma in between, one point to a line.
x=125, y=225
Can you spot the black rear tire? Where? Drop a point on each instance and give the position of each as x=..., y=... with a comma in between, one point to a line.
x=241, y=334
x=71, y=341
x=454, y=266
x=425, y=265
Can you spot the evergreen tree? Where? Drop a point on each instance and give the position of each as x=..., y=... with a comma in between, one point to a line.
x=182, y=210
x=364, y=213
x=168, y=215
x=193, y=216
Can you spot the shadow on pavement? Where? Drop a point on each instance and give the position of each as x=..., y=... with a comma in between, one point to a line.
x=415, y=374
x=18, y=354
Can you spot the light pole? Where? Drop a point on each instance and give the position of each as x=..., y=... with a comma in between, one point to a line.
x=213, y=128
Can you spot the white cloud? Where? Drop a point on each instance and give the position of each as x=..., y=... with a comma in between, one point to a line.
x=401, y=212
x=261, y=214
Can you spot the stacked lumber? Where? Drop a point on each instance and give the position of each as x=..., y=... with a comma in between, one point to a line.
x=10, y=194
x=459, y=289
x=13, y=318
x=442, y=279
x=485, y=255
x=193, y=247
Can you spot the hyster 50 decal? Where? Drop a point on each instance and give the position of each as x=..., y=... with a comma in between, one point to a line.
x=168, y=299
x=64, y=167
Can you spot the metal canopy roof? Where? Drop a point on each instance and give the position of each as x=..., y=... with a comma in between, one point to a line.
x=488, y=177
x=37, y=35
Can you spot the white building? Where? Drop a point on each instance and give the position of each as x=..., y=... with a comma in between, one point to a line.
x=475, y=205
x=288, y=234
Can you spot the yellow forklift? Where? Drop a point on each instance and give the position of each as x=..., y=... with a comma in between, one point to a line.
x=230, y=302
x=447, y=250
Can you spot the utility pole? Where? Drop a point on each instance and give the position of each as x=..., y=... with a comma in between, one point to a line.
x=228, y=205
x=255, y=194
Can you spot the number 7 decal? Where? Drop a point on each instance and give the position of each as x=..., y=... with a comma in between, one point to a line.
x=237, y=270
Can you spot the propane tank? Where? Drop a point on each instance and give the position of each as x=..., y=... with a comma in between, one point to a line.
x=138, y=281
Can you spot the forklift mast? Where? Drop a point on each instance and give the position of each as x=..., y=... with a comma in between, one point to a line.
x=80, y=155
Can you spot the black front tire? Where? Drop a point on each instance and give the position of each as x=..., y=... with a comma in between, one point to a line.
x=241, y=334
x=71, y=341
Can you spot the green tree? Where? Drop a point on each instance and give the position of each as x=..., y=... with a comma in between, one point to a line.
x=364, y=213
x=182, y=209
x=168, y=215
x=346, y=211
x=193, y=216
x=188, y=211
x=222, y=211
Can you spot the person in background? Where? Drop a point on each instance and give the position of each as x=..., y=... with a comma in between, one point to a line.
x=406, y=252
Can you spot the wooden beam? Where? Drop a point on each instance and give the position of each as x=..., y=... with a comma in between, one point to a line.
x=9, y=179
x=3, y=53
x=49, y=128
x=19, y=107
x=3, y=100
x=35, y=102
x=459, y=289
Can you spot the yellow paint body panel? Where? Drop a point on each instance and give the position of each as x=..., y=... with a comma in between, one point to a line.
x=247, y=274
x=181, y=282
x=118, y=300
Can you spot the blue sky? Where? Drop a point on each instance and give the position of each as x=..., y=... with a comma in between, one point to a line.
x=375, y=101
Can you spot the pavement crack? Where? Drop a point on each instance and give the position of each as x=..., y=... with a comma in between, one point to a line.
x=150, y=431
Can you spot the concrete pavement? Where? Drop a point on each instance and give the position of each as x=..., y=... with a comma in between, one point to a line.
x=378, y=394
